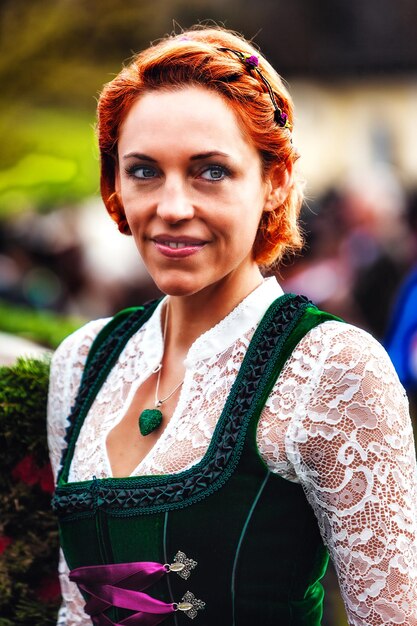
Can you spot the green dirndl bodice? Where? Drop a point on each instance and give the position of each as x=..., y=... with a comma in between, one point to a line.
x=253, y=536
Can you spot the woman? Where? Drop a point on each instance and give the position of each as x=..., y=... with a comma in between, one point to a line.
x=210, y=425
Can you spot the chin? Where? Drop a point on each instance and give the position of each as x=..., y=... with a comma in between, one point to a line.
x=184, y=286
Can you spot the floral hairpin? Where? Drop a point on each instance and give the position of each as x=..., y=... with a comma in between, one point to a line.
x=252, y=62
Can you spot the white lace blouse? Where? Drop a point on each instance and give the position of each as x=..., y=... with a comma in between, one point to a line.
x=336, y=422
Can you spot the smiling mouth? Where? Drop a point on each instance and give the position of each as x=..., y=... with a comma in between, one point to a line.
x=178, y=248
x=174, y=245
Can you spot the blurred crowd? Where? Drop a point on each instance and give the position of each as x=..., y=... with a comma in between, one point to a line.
x=361, y=242
x=360, y=263
x=71, y=261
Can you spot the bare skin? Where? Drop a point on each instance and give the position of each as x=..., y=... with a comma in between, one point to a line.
x=125, y=446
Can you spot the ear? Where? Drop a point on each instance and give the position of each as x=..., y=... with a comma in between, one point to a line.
x=279, y=181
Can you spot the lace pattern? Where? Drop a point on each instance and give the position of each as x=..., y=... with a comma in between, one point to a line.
x=336, y=422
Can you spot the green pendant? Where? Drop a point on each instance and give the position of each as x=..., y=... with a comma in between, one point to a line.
x=149, y=420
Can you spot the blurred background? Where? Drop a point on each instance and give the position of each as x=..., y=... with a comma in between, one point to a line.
x=351, y=67
x=352, y=70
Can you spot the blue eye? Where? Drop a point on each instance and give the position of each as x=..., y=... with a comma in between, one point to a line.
x=214, y=173
x=142, y=171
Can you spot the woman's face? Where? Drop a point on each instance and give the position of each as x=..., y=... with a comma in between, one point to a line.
x=192, y=189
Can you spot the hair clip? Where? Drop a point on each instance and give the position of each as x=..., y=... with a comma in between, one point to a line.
x=252, y=63
x=251, y=60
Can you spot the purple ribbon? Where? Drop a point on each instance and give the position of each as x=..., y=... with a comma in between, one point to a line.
x=120, y=585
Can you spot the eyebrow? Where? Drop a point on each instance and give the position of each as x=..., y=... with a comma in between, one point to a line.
x=195, y=157
x=138, y=155
x=207, y=155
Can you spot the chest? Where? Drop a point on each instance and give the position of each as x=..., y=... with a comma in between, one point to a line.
x=110, y=444
x=126, y=443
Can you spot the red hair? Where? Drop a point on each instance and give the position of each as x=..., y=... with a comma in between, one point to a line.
x=194, y=58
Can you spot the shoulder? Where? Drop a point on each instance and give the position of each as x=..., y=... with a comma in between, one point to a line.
x=334, y=339
x=74, y=349
x=350, y=403
x=68, y=361
x=67, y=366
x=339, y=367
x=351, y=380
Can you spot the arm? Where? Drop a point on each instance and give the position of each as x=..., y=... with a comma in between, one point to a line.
x=350, y=444
x=66, y=371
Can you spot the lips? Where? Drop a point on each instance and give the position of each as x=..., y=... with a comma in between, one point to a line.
x=178, y=247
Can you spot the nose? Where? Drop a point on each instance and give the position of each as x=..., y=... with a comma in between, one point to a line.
x=174, y=203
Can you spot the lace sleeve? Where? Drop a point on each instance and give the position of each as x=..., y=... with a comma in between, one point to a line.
x=65, y=376
x=66, y=370
x=352, y=450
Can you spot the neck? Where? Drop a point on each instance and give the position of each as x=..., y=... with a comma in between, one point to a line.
x=190, y=316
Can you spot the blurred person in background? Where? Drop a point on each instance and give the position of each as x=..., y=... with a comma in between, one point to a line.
x=401, y=334
x=401, y=340
x=359, y=249
x=210, y=448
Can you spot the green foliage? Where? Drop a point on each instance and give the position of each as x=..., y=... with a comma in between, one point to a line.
x=23, y=391
x=52, y=159
x=43, y=327
x=28, y=530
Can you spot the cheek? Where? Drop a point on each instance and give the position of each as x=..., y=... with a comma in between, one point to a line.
x=246, y=223
x=134, y=207
x=239, y=235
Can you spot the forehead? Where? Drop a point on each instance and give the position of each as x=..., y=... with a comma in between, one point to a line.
x=188, y=118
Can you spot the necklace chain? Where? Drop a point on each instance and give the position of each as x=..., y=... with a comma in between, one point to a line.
x=151, y=419
x=160, y=401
